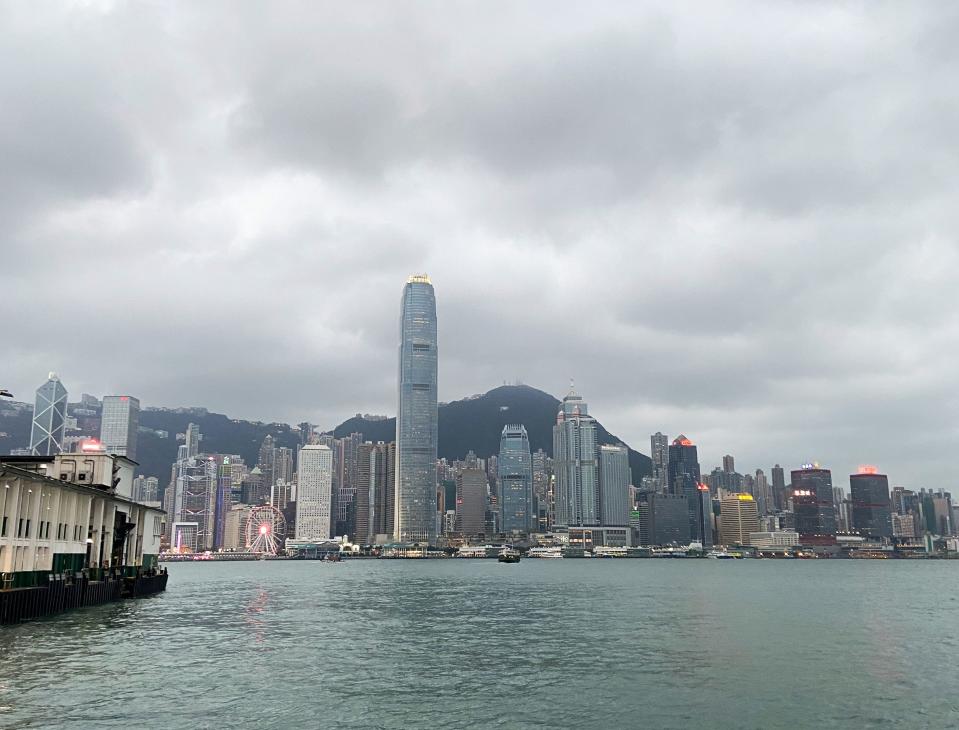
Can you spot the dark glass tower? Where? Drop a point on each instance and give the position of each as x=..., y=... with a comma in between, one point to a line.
x=871, y=512
x=416, y=417
x=684, y=481
x=813, y=506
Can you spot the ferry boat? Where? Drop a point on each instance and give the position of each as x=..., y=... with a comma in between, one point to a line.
x=722, y=555
x=545, y=552
x=508, y=555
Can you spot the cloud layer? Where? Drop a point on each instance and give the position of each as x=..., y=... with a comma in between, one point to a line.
x=736, y=221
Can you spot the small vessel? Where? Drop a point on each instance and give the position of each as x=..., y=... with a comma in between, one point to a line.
x=508, y=555
x=720, y=555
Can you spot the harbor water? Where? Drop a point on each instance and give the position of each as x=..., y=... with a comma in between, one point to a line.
x=480, y=644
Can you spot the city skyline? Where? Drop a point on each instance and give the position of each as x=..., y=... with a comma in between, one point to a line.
x=757, y=264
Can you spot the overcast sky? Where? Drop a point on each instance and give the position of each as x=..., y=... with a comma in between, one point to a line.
x=732, y=220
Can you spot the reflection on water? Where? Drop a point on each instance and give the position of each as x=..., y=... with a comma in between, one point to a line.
x=443, y=644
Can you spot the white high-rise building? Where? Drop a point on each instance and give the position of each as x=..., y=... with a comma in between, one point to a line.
x=49, y=418
x=314, y=493
x=118, y=425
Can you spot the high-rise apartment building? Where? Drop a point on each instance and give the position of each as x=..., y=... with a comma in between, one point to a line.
x=471, y=485
x=375, y=472
x=574, y=464
x=869, y=496
x=49, y=418
x=314, y=493
x=659, y=453
x=614, y=478
x=119, y=423
x=729, y=464
x=738, y=517
x=813, y=506
x=416, y=421
x=515, y=476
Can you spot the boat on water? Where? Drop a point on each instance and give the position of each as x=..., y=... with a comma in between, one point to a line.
x=545, y=552
x=508, y=555
x=721, y=555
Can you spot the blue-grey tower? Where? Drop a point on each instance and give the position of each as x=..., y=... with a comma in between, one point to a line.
x=416, y=416
x=49, y=418
x=515, y=471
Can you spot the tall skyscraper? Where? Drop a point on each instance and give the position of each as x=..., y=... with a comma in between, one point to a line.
x=515, y=475
x=684, y=480
x=314, y=493
x=574, y=464
x=49, y=418
x=614, y=478
x=869, y=492
x=119, y=422
x=729, y=464
x=659, y=453
x=813, y=506
x=416, y=421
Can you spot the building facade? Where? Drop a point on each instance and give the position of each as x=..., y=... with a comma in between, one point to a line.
x=659, y=453
x=685, y=480
x=738, y=518
x=471, y=485
x=871, y=512
x=119, y=423
x=416, y=421
x=614, y=479
x=814, y=510
x=314, y=494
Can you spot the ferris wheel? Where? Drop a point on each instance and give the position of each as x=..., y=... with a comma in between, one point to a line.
x=265, y=529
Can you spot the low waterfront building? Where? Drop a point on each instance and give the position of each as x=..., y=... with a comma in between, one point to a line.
x=69, y=528
x=774, y=540
x=588, y=538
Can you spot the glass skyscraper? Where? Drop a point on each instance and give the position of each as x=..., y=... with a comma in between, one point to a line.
x=49, y=418
x=416, y=416
x=813, y=506
x=871, y=510
x=515, y=472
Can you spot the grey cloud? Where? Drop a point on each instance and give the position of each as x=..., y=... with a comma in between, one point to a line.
x=737, y=222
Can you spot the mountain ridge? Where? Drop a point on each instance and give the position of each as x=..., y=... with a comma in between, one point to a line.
x=475, y=422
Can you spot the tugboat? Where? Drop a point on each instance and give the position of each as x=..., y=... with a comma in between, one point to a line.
x=508, y=555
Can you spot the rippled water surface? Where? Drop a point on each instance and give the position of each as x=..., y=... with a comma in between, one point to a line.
x=458, y=644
